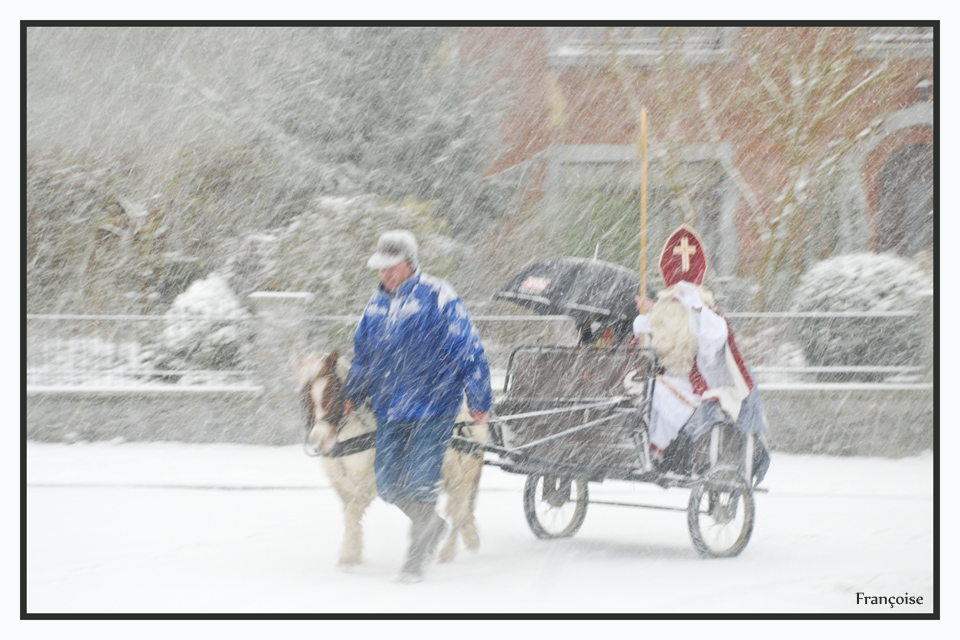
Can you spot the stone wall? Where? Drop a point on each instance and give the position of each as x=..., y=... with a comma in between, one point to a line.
x=854, y=421
x=850, y=420
x=179, y=415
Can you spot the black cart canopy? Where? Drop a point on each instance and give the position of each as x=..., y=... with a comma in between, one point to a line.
x=578, y=287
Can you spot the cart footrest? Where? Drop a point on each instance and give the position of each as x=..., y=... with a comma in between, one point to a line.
x=639, y=506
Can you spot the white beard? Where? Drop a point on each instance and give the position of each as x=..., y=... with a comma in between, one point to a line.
x=674, y=335
x=674, y=331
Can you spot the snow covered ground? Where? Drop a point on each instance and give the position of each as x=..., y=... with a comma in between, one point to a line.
x=117, y=527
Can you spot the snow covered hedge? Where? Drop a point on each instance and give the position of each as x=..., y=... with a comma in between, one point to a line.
x=863, y=282
x=206, y=328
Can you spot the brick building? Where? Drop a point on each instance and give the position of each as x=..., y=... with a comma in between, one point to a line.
x=746, y=127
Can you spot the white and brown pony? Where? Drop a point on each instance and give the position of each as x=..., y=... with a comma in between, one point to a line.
x=345, y=444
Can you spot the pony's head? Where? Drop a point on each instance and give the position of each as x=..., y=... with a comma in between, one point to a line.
x=322, y=379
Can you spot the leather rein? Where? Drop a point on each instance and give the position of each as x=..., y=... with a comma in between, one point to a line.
x=336, y=417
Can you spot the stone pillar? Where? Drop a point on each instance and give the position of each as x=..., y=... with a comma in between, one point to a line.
x=279, y=343
x=926, y=319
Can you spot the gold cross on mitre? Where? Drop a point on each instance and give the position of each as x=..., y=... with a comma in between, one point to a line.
x=692, y=265
x=684, y=250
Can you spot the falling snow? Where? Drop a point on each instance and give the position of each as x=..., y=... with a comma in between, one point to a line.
x=171, y=172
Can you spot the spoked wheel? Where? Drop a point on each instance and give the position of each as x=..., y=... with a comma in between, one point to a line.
x=555, y=507
x=720, y=514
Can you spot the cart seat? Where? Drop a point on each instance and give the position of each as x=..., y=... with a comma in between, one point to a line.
x=541, y=379
x=573, y=373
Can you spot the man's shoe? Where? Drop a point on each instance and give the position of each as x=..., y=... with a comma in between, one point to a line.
x=408, y=577
x=425, y=532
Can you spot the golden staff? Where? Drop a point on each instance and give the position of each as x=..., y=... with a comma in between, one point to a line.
x=643, y=205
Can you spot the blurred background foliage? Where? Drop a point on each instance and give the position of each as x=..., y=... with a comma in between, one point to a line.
x=156, y=156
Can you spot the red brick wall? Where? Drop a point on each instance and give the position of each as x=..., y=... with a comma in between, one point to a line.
x=596, y=111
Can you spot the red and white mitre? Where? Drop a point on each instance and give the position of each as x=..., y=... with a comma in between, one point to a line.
x=683, y=258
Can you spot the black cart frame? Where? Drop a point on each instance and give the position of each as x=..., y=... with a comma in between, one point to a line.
x=565, y=420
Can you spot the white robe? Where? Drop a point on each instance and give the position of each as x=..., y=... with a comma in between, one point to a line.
x=674, y=400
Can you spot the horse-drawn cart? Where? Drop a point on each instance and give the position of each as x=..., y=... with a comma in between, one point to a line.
x=566, y=419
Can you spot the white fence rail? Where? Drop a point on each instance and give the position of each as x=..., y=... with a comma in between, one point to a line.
x=894, y=345
x=117, y=351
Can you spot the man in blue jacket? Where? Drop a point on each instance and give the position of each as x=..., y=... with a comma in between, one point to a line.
x=415, y=354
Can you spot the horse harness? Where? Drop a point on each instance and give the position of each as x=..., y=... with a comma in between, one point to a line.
x=336, y=417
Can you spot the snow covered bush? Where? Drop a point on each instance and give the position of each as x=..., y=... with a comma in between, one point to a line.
x=206, y=327
x=863, y=282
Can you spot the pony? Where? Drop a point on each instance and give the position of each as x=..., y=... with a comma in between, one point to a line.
x=321, y=379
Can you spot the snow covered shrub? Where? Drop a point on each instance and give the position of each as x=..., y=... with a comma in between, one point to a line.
x=863, y=282
x=205, y=328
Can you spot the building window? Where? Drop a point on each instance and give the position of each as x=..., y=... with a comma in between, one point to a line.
x=596, y=197
x=638, y=45
x=879, y=42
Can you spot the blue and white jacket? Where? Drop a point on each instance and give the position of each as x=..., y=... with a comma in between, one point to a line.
x=416, y=352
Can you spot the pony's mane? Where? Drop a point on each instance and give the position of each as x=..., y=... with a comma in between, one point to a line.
x=309, y=368
x=343, y=368
x=312, y=367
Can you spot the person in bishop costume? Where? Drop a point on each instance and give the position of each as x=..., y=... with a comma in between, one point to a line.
x=703, y=378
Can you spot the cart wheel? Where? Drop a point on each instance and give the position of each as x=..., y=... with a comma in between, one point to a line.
x=720, y=514
x=555, y=507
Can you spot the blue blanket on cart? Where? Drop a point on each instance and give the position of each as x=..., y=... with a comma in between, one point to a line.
x=751, y=420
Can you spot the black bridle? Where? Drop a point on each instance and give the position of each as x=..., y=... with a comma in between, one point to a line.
x=335, y=416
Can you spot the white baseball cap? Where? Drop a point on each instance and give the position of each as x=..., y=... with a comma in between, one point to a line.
x=393, y=248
